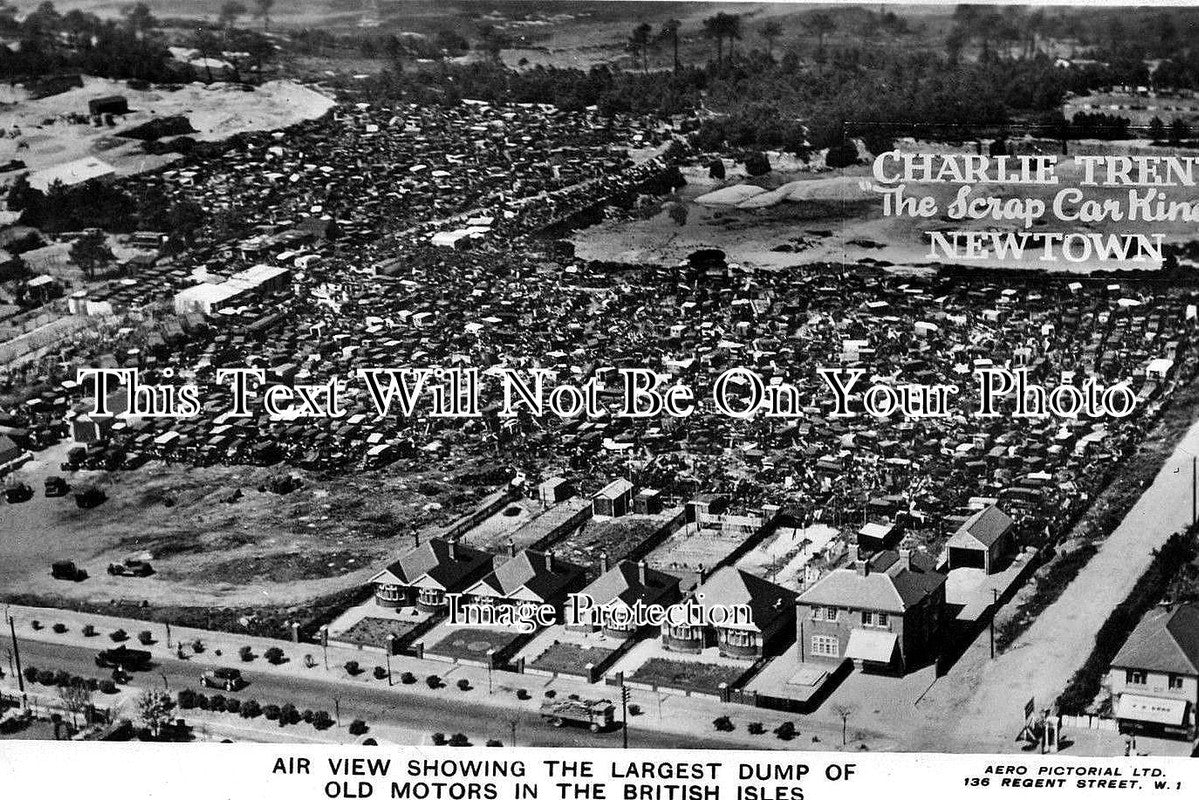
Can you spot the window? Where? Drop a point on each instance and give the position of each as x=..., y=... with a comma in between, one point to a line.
x=874, y=619
x=826, y=646
x=1175, y=682
x=738, y=638
x=1136, y=676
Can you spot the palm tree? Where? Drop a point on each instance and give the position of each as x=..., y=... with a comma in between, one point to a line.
x=820, y=24
x=771, y=30
x=670, y=30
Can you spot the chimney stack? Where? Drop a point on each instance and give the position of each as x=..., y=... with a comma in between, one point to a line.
x=549, y=561
x=699, y=575
x=852, y=551
x=905, y=557
x=511, y=549
x=642, y=570
x=603, y=563
x=453, y=549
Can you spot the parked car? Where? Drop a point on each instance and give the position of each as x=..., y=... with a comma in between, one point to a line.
x=90, y=497
x=57, y=486
x=227, y=678
x=595, y=714
x=67, y=571
x=131, y=568
x=18, y=492
x=124, y=658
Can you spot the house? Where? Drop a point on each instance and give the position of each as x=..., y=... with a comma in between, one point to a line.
x=554, y=490
x=1154, y=679
x=983, y=541
x=884, y=611
x=614, y=500
x=647, y=501
x=769, y=626
x=624, y=586
x=424, y=575
x=878, y=536
x=529, y=578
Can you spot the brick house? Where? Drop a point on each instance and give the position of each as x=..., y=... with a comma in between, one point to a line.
x=772, y=612
x=884, y=611
x=424, y=575
x=1154, y=679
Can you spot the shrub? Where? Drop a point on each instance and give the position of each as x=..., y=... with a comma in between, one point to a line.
x=353, y=667
x=92, y=684
x=217, y=703
x=842, y=155
x=35, y=624
x=439, y=739
x=89, y=630
x=108, y=687
x=464, y=684
x=30, y=674
x=522, y=694
x=756, y=728
x=407, y=678
x=380, y=673
x=146, y=638
x=187, y=699
x=321, y=720
x=757, y=163
x=59, y=628
x=634, y=710
x=232, y=705
x=459, y=740
x=433, y=682
x=201, y=701
x=307, y=715
x=274, y=655
x=494, y=743
x=716, y=169
x=309, y=660
x=358, y=727
x=45, y=677
x=271, y=712
x=289, y=715
x=786, y=731
x=245, y=653
x=62, y=678
x=551, y=693
x=723, y=724
x=118, y=635
x=250, y=709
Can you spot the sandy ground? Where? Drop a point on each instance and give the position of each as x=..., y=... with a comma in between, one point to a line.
x=39, y=133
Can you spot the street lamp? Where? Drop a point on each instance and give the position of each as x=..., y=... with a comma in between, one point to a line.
x=490, y=655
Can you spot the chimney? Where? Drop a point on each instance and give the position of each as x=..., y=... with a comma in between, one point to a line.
x=699, y=575
x=862, y=566
x=852, y=551
x=511, y=549
x=603, y=563
x=905, y=558
x=452, y=550
x=549, y=561
x=642, y=570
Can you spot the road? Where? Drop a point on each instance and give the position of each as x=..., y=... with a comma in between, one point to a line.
x=362, y=701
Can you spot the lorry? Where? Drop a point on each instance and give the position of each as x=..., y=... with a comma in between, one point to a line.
x=124, y=658
x=595, y=714
x=131, y=568
x=67, y=571
x=227, y=678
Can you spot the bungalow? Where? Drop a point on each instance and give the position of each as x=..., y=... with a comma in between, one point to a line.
x=529, y=578
x=983, y=541
x=772, y=616
x=1154, y=679
x=426, y=573
x=884, y=611
x=623, y=587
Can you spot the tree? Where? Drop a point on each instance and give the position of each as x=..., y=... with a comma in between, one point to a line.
x=670, y=32
x=207, y=42
x=713, y=30
x=639, y=43
x=771, y=30
x=844, y=712
x=231, y=11
x=1179, y=131
x=76, y=698
x=1157, y=132
x=90, y=251
x=820, y=24
x=494, y=41
x=262, y=11
x=153, y=710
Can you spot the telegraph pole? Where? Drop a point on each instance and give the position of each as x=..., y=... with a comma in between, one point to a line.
x=1194, y=498
x=994, y=611
x=624, y=711
x=16, y=652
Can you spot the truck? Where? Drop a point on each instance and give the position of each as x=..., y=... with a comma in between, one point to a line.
x=67, y=571
x=56, y=486
x=595, y=714
x=18, y=492
x=227, y=678
x=131, y=568
x=124, y=658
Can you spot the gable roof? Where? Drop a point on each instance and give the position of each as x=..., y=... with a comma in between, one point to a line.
x=1164, y=640
x=888, y=585
x=528, y=570
x=982, y=528
x=730, y=586
x=623, y=582
x=448, y=565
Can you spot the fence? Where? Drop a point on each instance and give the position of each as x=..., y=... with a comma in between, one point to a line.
x=1089, y=722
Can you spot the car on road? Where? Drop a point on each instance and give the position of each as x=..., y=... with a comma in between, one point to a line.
x=595, y=714
x=124, y=658
x=131, y=568
x=227, y=678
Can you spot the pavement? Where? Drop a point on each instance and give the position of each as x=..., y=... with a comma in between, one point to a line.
x=486, y=710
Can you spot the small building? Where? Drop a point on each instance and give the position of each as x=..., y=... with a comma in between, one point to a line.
x=554, y=490
x=1154, y=679
x=875, y=536
x=647, y=501
x=424, y=575
x=111, y=104
x=983, y=541
x=614, y=500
